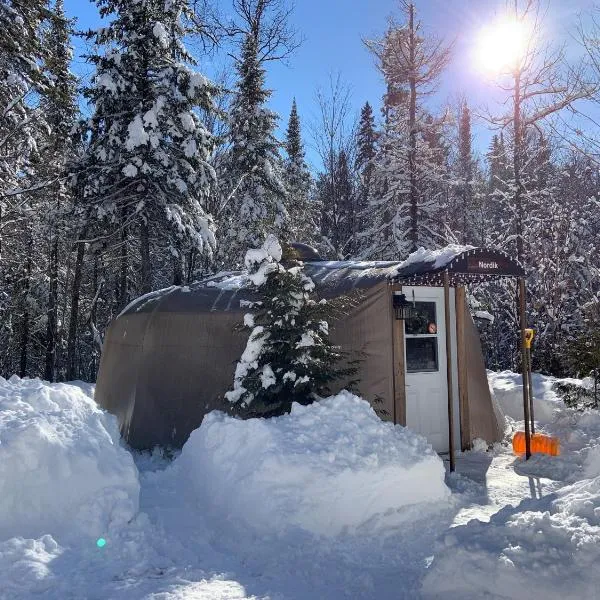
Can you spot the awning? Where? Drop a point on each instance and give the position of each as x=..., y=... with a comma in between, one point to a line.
x=464, y=265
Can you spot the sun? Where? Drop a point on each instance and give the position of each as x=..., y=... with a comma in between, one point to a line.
x=502, y=45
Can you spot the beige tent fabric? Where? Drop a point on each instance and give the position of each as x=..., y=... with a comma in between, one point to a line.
x=160, y=373
x=366, y=334
x=486, y=422
x=164, y=367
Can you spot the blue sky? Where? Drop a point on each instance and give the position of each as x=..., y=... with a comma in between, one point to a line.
x=333, y=32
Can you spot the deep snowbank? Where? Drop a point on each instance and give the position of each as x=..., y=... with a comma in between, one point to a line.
x=62, y=470
x=508, y=390
x=548, y=547
x=325, y=468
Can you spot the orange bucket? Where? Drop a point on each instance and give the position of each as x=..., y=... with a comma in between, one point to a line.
x=540, y=443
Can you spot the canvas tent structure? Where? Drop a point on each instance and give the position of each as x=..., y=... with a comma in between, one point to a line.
x=169, y=358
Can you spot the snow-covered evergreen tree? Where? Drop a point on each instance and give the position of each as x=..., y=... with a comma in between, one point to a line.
x=289, y=356
x=256, y=194
x=336, y=195
x=302, y=213
x=366, y=151
x=22, y=79
x=60, y=108
x=411, y=177
x=147, y=168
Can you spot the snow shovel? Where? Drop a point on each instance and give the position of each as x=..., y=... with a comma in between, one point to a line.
x=538, y=443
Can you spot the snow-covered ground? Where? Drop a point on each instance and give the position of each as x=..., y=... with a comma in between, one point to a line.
x=328, y=503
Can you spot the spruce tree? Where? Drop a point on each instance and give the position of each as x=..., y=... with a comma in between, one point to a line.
x=411, y=181
x=256, y=193
x=366, y=150
x=302, y=214
x=61, y=113
x=147, y=169
x=22, y=52
x=289, y=356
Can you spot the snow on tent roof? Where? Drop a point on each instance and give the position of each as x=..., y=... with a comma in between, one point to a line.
x=229, y=291
x=464, y=264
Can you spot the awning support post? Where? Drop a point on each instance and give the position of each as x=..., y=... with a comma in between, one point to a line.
x=449, y=369
x=526, y=391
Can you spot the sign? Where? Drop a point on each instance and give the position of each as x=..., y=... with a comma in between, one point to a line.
x=478, y=264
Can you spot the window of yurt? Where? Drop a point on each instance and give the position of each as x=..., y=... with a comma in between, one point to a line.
x=421, y=339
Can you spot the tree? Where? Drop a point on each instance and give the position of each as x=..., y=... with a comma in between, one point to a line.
x=411, y=64
x=366, y=151
x=60, y=108
x=254, y=192
x=337, y=198
x=289, y=356
x=147, y=165
x=465, y=168
x=145, y=176
x=334, y=136
x=412, y=177
x=538, y=84
x=302, y=213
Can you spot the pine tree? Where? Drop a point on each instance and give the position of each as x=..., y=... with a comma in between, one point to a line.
x=61, y=113
x=465, y=174
x=412, y=170
x=336, y=196
x=257, y=196
x=147, y=168
x=302, y=214
x=366, y=151
x=289, y=356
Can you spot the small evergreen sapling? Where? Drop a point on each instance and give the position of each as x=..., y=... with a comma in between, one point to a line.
x=289, y=356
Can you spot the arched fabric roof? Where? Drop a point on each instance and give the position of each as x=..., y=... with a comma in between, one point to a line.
x=229, y=291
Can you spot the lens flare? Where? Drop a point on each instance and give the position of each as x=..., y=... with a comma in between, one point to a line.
x=101, y=543
x=503, y=45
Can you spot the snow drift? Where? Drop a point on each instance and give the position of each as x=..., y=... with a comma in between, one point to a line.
x=325, y=468
x=62, y=470
x=507, y=387
x=551, y=546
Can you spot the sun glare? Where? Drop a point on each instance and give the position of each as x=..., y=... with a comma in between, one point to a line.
x=502, y=45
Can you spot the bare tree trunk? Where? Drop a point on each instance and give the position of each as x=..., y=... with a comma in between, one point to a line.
x=74, y=317
x=145, y=256
x=52, y=316
x=517, y=166
x=412, y=151
x=25, y=327
x=178, y=265
x=124, y=267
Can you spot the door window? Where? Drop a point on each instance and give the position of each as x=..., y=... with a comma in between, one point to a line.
x=421, y=339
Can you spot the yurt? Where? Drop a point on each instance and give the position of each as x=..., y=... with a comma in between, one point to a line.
x=169, y=358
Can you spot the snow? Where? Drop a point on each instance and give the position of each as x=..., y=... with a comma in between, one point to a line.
x=438, y=258
x=327, y=502
x=62, y=470
x=327, y=468
x=136, y=134
x=130, y=170
x=248, y=361
x=508, y=390
x=161, y=34
x=484, y=316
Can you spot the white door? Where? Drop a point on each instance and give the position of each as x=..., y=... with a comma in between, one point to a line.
x=425, y=364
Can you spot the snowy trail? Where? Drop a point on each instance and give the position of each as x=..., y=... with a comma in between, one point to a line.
x=537, y=521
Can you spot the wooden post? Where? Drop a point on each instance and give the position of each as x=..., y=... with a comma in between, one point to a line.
x=523, y=322
x=530, y=386
x=461, y=366
x=449, y=369
x=399, y=371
